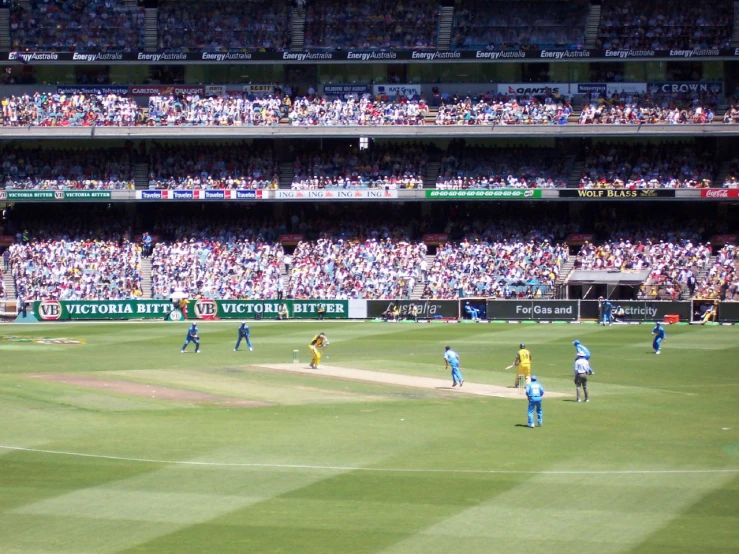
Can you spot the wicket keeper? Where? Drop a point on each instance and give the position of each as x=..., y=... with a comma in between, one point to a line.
x=523, y=363
x=319, y=342
x=192, y=336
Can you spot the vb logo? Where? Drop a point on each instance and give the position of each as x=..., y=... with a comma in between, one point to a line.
x=49, y=310
x=205, y=309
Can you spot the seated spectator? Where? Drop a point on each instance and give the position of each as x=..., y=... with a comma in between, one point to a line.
x=382, y=24
x=500, y=109
x=654, y=25
x=72, y=169
x=77, y=269
x=357, y=111
x=55, y=109
x=386, y=167
x=355, y=268
x=731, y=181
x=212, y=166
x=722, y=279
x=217, y=25
x=525, y=25
x=640, y=109
x=77, y=25
x=651, y=165
x=475, y=167
x=217, y=262
x=233, y=110
x=732, y=114
x=498, y=261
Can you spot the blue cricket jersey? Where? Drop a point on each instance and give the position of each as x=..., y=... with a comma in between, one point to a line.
x=659, y=331
x=452, y=357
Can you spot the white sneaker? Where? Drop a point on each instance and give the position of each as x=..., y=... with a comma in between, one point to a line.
x=182, y=351
x=251, y=350
x=234, y=350
x=578, y=400
x=531, y=426
x=657, y=352
x=587, y=400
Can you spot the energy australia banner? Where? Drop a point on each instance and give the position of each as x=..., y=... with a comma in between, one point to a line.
x=536, y=310
x=636, y=310
x=52, y=310
x=266, y=309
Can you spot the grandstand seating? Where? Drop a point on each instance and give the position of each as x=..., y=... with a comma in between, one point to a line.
x=76, y=25
x=482, y=24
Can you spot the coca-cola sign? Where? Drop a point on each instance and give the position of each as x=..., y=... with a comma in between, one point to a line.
x=720, y=193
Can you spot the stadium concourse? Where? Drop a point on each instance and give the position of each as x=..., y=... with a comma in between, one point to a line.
x=343, y=252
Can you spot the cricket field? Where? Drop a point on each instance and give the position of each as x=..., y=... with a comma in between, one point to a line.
x=111, y=441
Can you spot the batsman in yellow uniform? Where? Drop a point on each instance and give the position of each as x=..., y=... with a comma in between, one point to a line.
x=523, y=363
x=316, y=345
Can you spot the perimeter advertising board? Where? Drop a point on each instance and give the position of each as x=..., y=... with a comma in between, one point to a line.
x=427, y=309
x=52, y=310
x=728, y=311
x=266, y=309
x=536, y=310
x=637, y=310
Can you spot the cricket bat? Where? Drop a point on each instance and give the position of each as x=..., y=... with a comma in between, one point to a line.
x=510, y=366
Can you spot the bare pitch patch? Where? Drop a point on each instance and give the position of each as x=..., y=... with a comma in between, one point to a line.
x=402, y=380
x=148, y=391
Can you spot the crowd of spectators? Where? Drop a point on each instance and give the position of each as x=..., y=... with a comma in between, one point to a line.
x=648, y=108
x=382, y=24
x=386, y=167
x=76, y=268
x=500, y=109
x=232, y=110
x=212, y=166
x=476, y=167
x=731, y=181
x=731, y=115
x=499, y=260
x=651, y=24
x=67, y=169
x=56, y=109
x=345, y=268
x=218, y=25
x=722, y=279
x=647, y=166
x=219, y=261
x=634, y=255
x=76, y=25
x=481, y=24
x=363, y=110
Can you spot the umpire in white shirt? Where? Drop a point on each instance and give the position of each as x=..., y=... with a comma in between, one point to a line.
x=582, y=370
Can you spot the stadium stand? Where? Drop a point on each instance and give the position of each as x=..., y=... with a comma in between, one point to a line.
x=638, y=166
x=498, y=25
x=357, y=111
x=385, y=166
x=382, y=24
x=77, y=268
x=232, y=110
x=216, y=25
x=211, y=166
x=505, y=110
x=67, y=169
x=355, y=268
x=76, y=25
x=474, y=167
x=649, y=109
x=55, y=109
x=722, y=278
x=650, y=24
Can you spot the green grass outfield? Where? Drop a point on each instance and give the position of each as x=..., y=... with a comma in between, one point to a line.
x=650, y=465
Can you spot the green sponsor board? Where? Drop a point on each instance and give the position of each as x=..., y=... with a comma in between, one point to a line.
x=266, y=309
x=55, y=195
x=51, y=310
x=485, y=194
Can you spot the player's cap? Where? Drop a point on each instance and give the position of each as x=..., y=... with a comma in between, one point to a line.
x=533, y=377
x=522, y=345
x=575, y=342
x=243, y=322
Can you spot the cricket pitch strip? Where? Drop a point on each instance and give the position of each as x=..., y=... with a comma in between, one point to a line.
x=402, y=380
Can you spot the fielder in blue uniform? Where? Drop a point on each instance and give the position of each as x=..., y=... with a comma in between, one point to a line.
x=582, y=351
x=192, y=336
x=659, y=336
x=607, y=316
x=534, y=392
x=451, y=359
x=243, y=335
